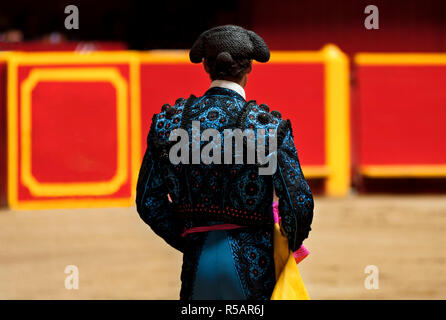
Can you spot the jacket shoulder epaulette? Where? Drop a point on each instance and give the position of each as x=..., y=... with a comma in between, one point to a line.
x=255, y=116
x=163, y=123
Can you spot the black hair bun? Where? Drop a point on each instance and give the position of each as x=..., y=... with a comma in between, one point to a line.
x=224, y=60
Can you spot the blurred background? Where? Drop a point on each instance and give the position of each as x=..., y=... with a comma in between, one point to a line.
x=413, y=25
x=367, y=107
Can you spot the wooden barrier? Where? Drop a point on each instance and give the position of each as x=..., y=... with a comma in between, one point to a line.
x=71, y=129
x=77, y=123
x=400, y=116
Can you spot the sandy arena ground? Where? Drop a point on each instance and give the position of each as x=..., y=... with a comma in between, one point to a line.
x=119, y=257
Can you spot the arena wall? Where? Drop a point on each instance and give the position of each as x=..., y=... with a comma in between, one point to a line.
x=400, y=115
x=74, y=126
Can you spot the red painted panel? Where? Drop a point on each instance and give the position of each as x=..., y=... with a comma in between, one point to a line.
x=82, y=125
x=84, y=121
x=164, y=83
x=402, y=110
x=296, y=90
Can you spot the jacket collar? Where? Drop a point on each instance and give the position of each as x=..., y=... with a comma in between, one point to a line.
x=229, y=85
x=232, y=90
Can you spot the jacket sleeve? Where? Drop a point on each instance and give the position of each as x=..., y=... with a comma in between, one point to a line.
x=152, y=201
x=295, y=198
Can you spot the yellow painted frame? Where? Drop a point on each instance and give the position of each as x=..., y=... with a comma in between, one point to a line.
x=337, y=108
x=398, y=59
x=404, y=171
x=16, y=59
x=395, y=59
x=97, y=188
x=337, y=125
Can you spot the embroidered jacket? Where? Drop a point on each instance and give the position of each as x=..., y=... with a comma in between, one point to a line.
x=203, y=194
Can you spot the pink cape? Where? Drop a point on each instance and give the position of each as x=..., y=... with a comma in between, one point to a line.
x=300, y=253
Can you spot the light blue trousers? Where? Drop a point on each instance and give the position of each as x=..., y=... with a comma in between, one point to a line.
x=216, y=277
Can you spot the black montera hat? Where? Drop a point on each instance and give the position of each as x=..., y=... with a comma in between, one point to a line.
x=231, y=42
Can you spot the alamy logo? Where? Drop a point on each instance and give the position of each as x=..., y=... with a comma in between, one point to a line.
x=72, y=280
x=72, y=20
x=372, y=280
x=372, y=20
x=234, y=143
